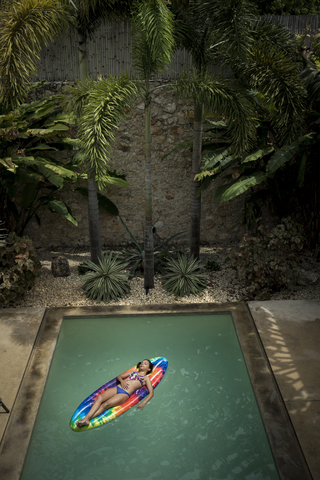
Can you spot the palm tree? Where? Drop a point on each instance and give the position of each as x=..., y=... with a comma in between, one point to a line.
x=152, y=50
x=228, y=33
x=27, y=25
x=89, y=14
x=100, y=106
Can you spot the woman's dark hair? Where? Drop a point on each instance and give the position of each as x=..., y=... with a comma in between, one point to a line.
x=150, y=366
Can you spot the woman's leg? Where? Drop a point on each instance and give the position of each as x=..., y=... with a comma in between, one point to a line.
x=115, y=401
x=102, y=398
x=109, y=398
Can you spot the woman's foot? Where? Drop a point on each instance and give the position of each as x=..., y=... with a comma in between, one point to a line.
x=82, y=423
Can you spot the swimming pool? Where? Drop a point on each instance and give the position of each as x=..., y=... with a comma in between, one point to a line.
x=203, y=421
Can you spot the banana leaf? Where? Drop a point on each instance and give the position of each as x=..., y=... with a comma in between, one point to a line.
x=239, y=186
x=104, y=203
x=58, y=206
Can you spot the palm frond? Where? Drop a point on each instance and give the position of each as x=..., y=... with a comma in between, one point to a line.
x=273, y=73
x=231, y=20
x=153, y=39
x=100, y=105
x=25, y=27
x=223, y=98
x=91, y=13
x=274, y=33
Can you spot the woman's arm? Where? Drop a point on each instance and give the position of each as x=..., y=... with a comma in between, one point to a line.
x=150, y=390
x=121, y=379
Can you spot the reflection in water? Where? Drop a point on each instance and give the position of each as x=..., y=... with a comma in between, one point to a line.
x=203, y=422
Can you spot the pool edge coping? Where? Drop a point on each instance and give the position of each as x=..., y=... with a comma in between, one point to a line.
x=286, y=450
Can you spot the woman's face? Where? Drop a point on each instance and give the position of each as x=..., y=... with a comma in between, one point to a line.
x=144, y=365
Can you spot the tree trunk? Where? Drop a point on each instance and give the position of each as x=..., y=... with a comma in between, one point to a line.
x=94, y=222
x=148, y=241
x=93, y=207
x=196, y=163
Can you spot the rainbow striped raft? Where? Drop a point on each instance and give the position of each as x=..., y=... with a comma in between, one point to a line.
x=159, y=369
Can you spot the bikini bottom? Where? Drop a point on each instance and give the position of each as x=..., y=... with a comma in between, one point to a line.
x=120, y=390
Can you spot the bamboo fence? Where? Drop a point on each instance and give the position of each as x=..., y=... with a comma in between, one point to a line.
x=109, y=52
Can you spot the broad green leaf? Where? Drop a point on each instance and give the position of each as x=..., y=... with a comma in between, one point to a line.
x=120, y=182
x=8, y=164
x=66, y=117
x=48, y=131
x=51, y=176
x=71, y=141
x=213, y=160
x=281, y=157
x=286, y=153
x=42, y=146
x=258, y=154
x=60, y=207
x=28, y=176
x=107, y=205
x=43, y=111
x=241, y=185
x=19, y=160
x=214, y=146
x=104, y=203
x=56, y=174
x=204, y=185
x=211, y=125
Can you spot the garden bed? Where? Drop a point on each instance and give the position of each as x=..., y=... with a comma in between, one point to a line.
x=223, y=285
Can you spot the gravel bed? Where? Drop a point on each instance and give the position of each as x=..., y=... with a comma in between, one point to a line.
x=223, y=285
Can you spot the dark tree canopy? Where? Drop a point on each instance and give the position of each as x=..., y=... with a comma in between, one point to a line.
x=287, y=7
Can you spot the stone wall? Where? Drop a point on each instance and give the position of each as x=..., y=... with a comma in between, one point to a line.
x=172, y=123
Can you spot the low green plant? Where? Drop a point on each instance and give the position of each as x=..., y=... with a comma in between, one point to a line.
x=106, y=281
x=184, y=276
x=134, y=252
x=268, y=261
x=19, y=267
x=83, y=268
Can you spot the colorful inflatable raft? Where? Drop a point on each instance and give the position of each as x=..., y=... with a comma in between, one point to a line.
x=159, y=369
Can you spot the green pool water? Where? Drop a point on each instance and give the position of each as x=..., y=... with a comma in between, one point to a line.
x=202, y=423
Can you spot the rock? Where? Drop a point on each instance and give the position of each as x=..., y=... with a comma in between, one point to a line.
x=169, y=108
x=60, y=267
x=307, y=278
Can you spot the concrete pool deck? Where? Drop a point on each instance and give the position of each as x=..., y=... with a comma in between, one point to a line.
x=289, y=332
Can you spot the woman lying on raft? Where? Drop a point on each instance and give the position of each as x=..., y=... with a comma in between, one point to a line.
x=113, y=397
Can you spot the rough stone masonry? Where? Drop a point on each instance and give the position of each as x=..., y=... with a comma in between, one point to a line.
x=172, y=124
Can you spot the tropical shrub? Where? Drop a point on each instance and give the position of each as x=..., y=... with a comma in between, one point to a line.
x=106, y=281
x=135, y=256
x=19, y=267
x=268, y=261
x=30, y=177
x=184, y=276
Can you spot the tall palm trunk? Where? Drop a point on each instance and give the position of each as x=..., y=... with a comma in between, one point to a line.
x=148, y=241
x=196, y=163
x=93, y=207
